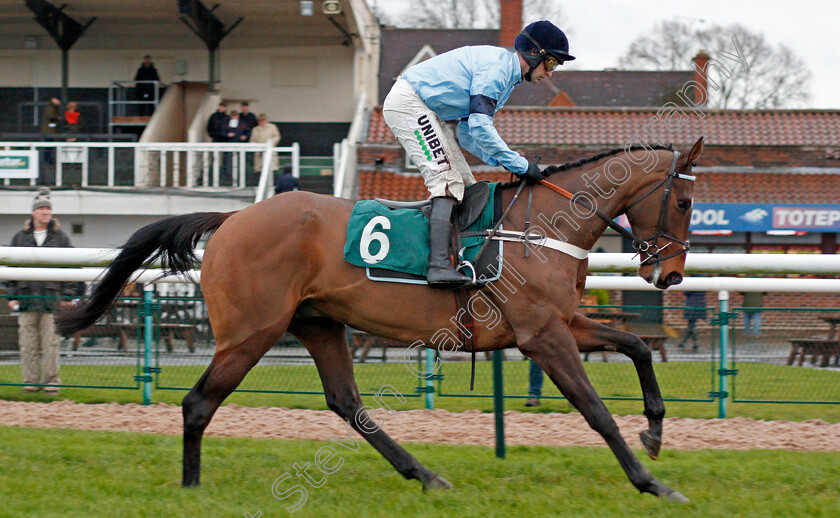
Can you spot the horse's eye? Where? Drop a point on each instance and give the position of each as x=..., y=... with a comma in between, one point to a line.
x=683, y=204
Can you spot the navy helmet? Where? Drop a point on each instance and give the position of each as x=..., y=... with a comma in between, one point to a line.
x=540, y=41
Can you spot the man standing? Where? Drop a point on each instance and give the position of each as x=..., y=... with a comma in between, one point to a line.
x=217, y=124
x=247, y=118
x=145, y=89
x=51, y=117
x=50, y=122
x=265, y=132
x=470, y=85
x=36, y=301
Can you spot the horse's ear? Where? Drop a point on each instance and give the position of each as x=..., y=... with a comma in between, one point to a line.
x=695, y=152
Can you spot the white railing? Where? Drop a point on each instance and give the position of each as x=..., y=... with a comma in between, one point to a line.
x=347, y=148
x=18, y=263
x=210, y=164
x=267, y=175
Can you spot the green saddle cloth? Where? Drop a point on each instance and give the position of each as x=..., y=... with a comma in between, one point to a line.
x=398, y=239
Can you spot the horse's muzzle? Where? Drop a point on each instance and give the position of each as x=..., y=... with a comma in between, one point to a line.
x=673, y=279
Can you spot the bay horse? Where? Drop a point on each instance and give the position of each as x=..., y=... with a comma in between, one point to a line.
x=278, y=266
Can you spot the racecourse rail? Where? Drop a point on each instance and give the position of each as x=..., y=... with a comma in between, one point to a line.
x=81, y=264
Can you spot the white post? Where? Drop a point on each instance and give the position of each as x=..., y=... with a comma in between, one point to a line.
x=58, y=162
x=85, y=157
x=296, y=160
x=216, y=158
x=176, y=168
x=111, y=165
x=242, y=168
x=190, y=168
x=163, y=172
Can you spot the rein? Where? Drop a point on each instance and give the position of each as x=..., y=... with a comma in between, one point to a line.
x=647, y=246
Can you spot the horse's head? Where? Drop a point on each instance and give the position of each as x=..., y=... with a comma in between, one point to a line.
x=660, y=216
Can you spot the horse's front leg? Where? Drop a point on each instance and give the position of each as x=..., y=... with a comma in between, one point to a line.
x=555, y=350
x=592, y=336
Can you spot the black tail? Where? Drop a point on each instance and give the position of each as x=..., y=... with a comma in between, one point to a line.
x=172, y=240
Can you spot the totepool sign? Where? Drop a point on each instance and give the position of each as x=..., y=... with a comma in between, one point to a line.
x=18, y=164
x=761, y=217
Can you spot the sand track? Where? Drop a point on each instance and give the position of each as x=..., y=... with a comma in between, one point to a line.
x=437, y=426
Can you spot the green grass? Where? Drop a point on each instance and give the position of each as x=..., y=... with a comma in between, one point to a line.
x=60, y=473
x=678, y=380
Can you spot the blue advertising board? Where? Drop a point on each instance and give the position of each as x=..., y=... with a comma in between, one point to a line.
x=762, y=217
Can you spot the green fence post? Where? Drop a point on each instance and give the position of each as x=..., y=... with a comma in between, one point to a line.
x=499, y=403
x=430, y=379
x=723, y=371
x=148, y=323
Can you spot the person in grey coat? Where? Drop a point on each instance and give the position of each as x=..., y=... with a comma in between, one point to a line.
x=37, y=300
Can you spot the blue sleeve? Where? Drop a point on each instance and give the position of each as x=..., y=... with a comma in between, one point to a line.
x=486, y=88
x=469, y=143
x=481, y=134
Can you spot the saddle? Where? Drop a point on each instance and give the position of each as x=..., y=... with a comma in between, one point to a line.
x=390, y=239
x=467, y=212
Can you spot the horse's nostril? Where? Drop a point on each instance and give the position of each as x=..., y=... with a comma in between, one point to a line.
x=674, y=278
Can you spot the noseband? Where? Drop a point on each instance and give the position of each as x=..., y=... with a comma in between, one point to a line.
x=652, y=252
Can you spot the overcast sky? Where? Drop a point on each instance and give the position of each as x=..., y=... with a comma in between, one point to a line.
x=601, y=30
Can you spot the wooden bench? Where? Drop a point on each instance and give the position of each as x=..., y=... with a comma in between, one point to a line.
x=656, y=343
x=814, y=347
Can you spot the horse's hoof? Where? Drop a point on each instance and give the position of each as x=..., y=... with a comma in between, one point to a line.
x=676, y=496
x=436, y=482
x=651, y=444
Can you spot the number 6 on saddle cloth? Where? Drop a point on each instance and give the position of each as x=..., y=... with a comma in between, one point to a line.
x=390, y=239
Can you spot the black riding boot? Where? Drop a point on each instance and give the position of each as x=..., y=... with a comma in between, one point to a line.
x=441, y=274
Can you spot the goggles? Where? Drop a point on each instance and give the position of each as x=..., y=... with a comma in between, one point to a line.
x=551, y=63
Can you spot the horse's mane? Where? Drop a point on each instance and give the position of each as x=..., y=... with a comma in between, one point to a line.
x=550, y=170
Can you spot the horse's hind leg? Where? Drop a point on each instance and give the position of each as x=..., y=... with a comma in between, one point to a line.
x=326, y=341
x=224, y=374
x=592, y=336
x=555, y=350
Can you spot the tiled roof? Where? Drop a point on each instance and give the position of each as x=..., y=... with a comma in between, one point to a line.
x=406, y=187
x=552, y=126
x=766, y=188
x=710, y=187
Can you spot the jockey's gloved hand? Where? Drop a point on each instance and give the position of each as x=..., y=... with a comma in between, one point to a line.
x=533, y=174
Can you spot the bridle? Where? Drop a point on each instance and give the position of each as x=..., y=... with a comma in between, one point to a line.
x=652, y=252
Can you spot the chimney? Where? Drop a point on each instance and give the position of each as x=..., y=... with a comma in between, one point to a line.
x=511, y=21
x=699, y=63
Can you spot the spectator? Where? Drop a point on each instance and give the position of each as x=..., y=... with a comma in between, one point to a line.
x=217, y=123
x=50, y=122
x=51, y=117
x=36, y=301
x=695, y=309
x=286, y=182
x=263, y=133
x=235, y=131
x=146, y=91
x=246, y=118
x=535, y=383
x=753, y=301
x=72, y=120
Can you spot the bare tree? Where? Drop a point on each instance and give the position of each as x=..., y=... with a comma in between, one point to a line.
x=468, y=14
x=775, y=77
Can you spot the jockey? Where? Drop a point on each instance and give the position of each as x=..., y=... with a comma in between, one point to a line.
x=465, y=87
